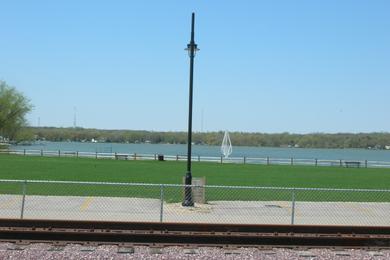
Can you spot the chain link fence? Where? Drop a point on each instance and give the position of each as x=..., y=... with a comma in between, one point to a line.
x=68, y=200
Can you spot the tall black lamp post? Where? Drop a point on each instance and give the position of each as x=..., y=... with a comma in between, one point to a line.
x=191, y=48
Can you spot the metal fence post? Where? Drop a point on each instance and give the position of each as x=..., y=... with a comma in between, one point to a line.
x=161, y=202
x=59, y=153
x=221, y=159
x=198, y=158
x=24, y=152
x=292, y=161
x=77, y=154
x=365, y=163
x=267, y=160
x=41, y=152
x=293, y=207
x=244, y=160
x=316, y=162
x=24, y=188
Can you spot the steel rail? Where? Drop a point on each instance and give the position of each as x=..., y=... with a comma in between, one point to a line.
x=193, y=234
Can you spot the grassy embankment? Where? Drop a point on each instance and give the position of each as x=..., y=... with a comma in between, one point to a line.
x=73, y=169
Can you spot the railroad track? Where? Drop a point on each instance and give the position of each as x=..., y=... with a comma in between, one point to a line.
x=99, y=232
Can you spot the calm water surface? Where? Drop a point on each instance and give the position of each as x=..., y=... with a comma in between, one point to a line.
x=206, y=150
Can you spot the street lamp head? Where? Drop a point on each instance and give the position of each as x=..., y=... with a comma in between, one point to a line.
x=189, y=49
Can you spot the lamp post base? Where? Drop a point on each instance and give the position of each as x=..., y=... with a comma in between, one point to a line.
x=188, y=201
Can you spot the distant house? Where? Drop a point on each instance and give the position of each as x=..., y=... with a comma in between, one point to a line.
x=387, y=147
x=3, y=142
x=3, y=139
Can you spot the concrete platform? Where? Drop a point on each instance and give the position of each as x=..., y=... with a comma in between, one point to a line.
x=141, y=209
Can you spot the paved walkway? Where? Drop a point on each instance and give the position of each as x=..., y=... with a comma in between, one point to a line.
x=251, y=212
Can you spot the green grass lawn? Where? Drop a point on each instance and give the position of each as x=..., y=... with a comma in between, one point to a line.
x=172, y=172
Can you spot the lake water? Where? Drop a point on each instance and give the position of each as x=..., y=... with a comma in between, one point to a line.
x=206, y=150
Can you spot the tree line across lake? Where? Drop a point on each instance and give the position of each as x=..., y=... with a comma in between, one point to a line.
x=314, y=140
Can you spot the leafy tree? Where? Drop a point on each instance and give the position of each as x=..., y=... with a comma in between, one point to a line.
x=13, y=108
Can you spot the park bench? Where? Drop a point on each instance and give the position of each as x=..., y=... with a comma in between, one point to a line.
x=352, y=164
x=121, y=156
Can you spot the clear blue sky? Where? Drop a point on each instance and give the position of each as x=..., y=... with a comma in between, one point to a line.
x=263, y=66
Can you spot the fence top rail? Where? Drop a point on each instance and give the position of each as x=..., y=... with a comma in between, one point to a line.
x=182, y=185
x=379, y=162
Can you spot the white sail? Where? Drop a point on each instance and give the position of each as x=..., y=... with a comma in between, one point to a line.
x=226, y=147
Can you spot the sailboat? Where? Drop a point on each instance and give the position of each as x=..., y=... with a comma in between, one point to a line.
x=226, y=147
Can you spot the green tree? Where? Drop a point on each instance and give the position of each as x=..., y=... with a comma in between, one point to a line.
x=13, y=108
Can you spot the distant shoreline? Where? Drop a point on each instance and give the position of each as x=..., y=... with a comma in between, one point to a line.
x=374, y=141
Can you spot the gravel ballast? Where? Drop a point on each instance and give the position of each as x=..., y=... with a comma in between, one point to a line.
x=75, y=251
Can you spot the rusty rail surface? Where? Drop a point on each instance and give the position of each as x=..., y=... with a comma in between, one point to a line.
x=193, y=234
